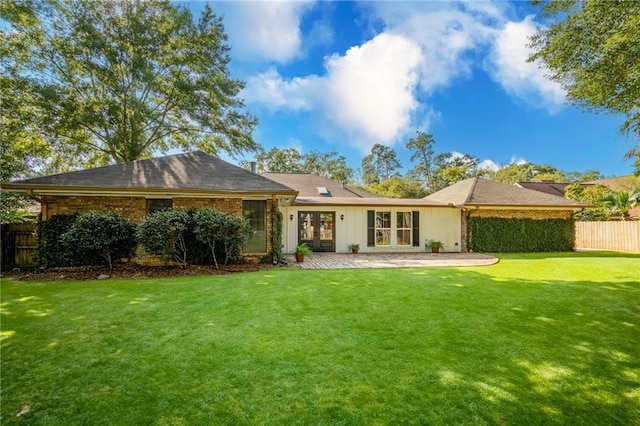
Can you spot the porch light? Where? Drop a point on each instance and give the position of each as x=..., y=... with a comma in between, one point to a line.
x=341, y=217
x=291, y=217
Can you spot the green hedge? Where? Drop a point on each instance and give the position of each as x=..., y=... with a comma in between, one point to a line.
x=519, y=235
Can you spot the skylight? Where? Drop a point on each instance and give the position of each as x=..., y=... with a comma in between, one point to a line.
x=322, y=190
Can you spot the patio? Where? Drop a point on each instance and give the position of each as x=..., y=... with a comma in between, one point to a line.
x=390, y=260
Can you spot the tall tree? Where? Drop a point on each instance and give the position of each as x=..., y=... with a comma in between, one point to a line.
x=289, y=160
x=121, y=79
x=592, y=50
x=398, y=187
x=379, y=165
x=450, y=168
x=528, y=172
x=421, y=148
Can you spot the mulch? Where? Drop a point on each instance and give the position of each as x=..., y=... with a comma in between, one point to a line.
x=129, y=271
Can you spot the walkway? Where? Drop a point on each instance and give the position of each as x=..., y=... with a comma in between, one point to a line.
x=390, y=260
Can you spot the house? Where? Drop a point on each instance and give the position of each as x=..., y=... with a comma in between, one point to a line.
x=329, y=216
x=188, y=181
x=483, y=198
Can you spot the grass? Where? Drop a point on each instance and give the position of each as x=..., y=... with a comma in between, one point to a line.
x=535, y=339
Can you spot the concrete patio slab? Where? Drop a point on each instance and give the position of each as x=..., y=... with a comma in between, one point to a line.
x=391, y=260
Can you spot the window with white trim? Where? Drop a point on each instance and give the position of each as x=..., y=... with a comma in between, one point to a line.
x=403, y=228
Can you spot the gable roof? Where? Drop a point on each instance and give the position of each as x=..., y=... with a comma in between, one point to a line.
x=548, y=187
x=621, y=183
x=338, y=194
x=483, y=192
x=189, y=172
x=307, y=185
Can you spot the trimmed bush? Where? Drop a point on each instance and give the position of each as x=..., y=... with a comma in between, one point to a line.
x=106, y=237
x=163, y=233
x=52, y=251
x=221, y=230
x=519, y=235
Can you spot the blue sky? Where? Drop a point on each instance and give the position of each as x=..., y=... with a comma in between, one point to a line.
x=342, y=76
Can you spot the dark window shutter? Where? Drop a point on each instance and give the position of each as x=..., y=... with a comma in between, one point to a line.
x=371, y=228
x=415, y=222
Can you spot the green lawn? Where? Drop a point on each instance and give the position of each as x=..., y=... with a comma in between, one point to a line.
x=535, y=339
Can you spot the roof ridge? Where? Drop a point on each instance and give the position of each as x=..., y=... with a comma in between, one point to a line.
x=473, y=188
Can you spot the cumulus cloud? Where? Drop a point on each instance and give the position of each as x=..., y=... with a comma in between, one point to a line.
x=265, y=30
x=379, y=91
x=370, y=88
x=508, y=66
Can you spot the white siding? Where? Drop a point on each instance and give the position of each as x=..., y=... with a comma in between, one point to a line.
x=435, y=223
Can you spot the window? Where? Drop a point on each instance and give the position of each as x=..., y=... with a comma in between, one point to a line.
x=403, y=228
x=383, y=228
x=155, y=204
x=255, y=211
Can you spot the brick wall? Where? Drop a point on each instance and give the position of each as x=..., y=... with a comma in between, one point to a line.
x=227, y=205
x=133, y=208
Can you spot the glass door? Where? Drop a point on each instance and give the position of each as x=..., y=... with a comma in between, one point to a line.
x=317, y=230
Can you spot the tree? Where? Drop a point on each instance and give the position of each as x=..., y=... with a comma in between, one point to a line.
x=379, y=165
x=592, y=194
x=620, y=202
x=593, y=53
x=450, y=168
x=289, y=160
x=216, y=228
x=121, y=79
x=421, y=148
x=397, y=187
x=528, y=172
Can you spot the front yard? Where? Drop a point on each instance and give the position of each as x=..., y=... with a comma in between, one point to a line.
x=535, y=339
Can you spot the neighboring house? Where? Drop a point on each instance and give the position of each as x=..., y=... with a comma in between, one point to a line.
x=480, y=197
x=329, y=216
x=188, y=181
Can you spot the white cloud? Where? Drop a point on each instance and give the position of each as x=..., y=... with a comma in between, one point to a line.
x=508, y=66
x=370, y=88
x=276, y=93
x=378, y=91
x=489, y=165
x=264, y=30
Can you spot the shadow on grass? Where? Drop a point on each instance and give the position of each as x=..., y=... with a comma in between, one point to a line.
x=442, y=346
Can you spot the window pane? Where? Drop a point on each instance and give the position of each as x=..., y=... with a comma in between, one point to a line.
x=403, y=220
x=326, y=226
x=383, y=228
x=155, y=204
x=306, y=226
x=404, y=237
x=255, y=211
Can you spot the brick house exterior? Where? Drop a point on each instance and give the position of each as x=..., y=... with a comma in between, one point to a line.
x=483, y=198
x=188, y=181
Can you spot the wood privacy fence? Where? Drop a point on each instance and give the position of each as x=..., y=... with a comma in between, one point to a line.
x=19, y=242
x=621, y=236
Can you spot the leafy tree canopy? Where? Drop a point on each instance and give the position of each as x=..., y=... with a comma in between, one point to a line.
x=528, y=172
x=592, y=50
x=397, y=187
x=330, y=165
x=117, y=80
x=421, y=148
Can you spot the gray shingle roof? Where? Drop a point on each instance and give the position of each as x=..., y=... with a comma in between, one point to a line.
x=478, y=192
x=307, y=185
x=193, y=171
x=553, y=188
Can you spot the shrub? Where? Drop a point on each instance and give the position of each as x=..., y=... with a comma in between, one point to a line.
x=221, y=230
x=520, y=235
x=162, y=233
x=52, y=251
x=108, y=237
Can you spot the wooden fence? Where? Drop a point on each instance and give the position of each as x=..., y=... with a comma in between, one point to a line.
x=19, y=242
x=619, y=236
